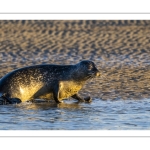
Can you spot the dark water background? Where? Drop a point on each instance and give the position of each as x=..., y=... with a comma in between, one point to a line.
x=121, y=50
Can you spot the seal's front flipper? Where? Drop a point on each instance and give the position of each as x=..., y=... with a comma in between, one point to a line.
x=5, y=99
x=76, y=96
x=56, y=90
x=86, y=99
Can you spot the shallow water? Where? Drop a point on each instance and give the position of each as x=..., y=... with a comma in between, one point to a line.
x=109, y=115
x=121, y=97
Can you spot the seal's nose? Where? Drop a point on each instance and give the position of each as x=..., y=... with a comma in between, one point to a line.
x=97, y=73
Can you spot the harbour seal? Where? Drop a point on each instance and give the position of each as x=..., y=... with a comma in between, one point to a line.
x=46, y=82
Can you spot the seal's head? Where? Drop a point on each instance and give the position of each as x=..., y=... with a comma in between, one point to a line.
x=87, y=69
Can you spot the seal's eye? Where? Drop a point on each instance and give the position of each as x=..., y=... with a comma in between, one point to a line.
x=90, y=67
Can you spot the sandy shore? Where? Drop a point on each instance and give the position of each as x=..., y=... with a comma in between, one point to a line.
x=121, y=50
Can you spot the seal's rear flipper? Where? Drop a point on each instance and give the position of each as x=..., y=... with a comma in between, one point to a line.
x=5, y=99
x=1, y=94
x=2, y=100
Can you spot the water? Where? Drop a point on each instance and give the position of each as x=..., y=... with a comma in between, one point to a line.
x=120, y=49
x=98, y=115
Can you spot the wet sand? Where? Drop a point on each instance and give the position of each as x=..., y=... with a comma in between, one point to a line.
x=121, y=50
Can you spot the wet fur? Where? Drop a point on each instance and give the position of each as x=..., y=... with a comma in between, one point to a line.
x=46, y=81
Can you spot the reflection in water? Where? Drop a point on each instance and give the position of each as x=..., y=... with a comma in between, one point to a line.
x=113, y=115
x=48, y=105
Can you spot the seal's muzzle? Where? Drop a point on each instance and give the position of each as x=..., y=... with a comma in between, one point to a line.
x=97, y=74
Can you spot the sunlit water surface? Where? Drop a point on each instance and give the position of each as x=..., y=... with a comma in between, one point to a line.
x=99, y=115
